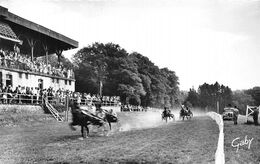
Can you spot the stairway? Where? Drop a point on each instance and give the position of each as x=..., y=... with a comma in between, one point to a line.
x=53, y=111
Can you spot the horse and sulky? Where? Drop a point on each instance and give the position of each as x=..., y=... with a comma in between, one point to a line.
x=84, y=118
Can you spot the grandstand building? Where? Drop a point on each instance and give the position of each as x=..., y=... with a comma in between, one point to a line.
x=22, y=44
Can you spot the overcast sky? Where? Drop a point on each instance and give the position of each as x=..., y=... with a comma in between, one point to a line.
x=201, y=40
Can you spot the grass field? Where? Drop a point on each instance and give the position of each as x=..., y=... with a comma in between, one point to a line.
x=244, y=154
x=140, y=137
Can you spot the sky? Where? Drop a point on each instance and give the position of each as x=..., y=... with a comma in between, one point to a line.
x=203, y=41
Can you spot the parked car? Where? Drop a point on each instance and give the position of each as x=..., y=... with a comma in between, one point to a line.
x=228, y=113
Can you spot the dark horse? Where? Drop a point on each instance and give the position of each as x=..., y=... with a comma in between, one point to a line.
x=109, y=118
x=186, y=113
x=85, y=118
x=167, y=114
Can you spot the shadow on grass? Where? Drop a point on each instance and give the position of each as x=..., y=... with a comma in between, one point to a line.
x=76, y=137
x=251, y=123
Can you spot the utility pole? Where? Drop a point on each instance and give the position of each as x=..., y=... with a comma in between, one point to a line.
x=100, y=88
x=218, y=107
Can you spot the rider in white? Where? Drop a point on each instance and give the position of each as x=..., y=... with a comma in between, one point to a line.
x=183, y=107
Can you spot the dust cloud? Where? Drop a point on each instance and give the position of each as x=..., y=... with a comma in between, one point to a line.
x=140, y=120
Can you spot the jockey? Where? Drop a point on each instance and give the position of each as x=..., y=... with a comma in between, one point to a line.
x=75, y=108
x=112, y=113
x=99, y=111
x=166, y=111
x=182, y=107
x=75, y=111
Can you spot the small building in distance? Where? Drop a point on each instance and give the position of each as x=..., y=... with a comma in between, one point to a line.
x=24, y=50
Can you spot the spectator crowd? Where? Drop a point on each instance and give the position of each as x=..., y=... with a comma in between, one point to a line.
x=12, y=59
x=36, y=95
x=21, y=94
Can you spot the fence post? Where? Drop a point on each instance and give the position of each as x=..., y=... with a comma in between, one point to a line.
x=67, y=108
x=31, y=99
x=42, y=99
x=19, y=97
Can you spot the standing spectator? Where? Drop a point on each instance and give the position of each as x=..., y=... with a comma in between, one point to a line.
x=255, y=115
x=235, y=115
x=16, y=50
x=4, y=94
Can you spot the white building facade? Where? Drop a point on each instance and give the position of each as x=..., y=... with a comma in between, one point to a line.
x=15, y=77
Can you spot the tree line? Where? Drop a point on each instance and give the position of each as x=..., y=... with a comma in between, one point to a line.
x=132, y=76
x=138, y=81
x=211, y=95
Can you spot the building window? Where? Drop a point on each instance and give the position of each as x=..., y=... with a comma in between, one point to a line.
x=26, y=75
x=66, y=82
x=9, y=80
x=69, y=82
x=20, y=75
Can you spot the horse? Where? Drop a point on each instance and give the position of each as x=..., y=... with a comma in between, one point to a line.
x=110, y=118
x=84, y=119
x=167, y=114
x=186, y=113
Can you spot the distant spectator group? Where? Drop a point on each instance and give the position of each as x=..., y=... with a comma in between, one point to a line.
x=129, y=108
x=82, y=97
x=16, y=60
x=36, y=95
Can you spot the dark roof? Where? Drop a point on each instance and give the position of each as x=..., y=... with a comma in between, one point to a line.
x=13, y=19
x=7, y=33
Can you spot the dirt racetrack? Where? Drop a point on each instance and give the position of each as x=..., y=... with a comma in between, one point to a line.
x=190, y=141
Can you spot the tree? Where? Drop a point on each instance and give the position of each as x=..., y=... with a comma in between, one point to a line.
x=93, y=67
x=161, y=85
x=193, y=98
x=133, y=76
x=255, y=93
x=241, y=99
x=210, y=94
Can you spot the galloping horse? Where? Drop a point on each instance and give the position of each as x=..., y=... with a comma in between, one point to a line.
x=185, y=113
x=84, y=118
x=167, y=114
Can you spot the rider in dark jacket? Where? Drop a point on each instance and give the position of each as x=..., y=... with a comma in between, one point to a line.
x=166, y=111
x=255, y=116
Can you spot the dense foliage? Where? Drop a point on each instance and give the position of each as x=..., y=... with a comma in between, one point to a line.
x=255, y=94
x=132, y=76
x=209, y=94
x=241, y=99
